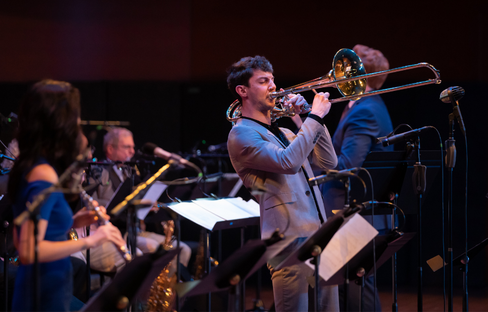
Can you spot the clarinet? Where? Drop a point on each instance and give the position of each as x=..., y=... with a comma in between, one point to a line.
x=101, y=221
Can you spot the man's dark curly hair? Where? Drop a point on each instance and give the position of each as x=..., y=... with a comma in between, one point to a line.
x=240, y=72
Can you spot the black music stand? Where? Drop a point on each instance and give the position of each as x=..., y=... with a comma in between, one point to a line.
x=124, y=189
x=239, y=266
x=362, y=264
x=395, y=180
x=462, y=261
x=316, y=244
x=386, y=246
x=392, y=174
x=133, y=281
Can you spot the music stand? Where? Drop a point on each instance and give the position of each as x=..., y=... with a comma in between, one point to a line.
x=124, y=189
x=394, y=180
x=237, y=267
x=392, y=174
x=386, y=246
x=463, y=260
x=217, y=214
x=345, y=233
x=362, y=264
x=131, y=282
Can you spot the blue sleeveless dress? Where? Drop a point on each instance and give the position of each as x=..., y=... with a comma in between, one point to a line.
x=56, y=278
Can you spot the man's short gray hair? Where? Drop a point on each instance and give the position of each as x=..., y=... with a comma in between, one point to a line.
x=112, y=137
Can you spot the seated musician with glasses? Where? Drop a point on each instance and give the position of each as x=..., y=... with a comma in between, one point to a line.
x=275, y=159
x=119, y=147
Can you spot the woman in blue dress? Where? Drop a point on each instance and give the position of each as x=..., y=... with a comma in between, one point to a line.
x=49, y=138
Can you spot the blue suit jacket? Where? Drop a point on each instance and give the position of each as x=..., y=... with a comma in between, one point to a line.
x=353, y=139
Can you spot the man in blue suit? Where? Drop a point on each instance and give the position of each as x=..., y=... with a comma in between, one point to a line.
x=362, y=121
x=277, y=160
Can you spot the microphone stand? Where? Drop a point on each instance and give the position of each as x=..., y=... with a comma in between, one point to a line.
x=37, y=287
x=32, y=213
x=347, y=205
x=419, y=184
x=394, y=279
x=87, y=232
x=5, y=263
x=450, y=162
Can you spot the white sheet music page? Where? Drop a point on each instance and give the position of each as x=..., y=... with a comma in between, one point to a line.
x=223, y=208
x=195, y=213
x=250, y=206
x=345, y=244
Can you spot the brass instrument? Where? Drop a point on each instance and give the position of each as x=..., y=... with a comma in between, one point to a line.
x=162, y=295
x=72, y=234
x=101, y=221
x=349, y=77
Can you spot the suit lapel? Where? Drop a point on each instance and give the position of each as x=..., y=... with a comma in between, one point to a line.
x=262, y=130
x=114, y=177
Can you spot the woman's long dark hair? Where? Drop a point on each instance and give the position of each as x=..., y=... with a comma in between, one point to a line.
x=48, y=127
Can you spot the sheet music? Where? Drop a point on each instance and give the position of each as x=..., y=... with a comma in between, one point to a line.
x=195, y=213
x=152, y=194
x=251, y=207
x=207, y=212
x=224, y=208
x=345, y=244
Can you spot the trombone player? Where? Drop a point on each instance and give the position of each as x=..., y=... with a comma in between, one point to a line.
x=277, y=160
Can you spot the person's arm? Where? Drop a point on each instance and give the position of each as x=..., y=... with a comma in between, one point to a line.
x=50, y=250
x=247, y=146
x=323, y=155
x=359, y=133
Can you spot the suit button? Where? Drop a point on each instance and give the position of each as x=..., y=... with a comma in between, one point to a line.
x=307, y=193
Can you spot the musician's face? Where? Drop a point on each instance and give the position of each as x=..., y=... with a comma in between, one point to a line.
x=261, y=84
x=123, y=151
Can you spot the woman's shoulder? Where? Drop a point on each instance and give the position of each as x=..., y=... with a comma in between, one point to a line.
x=42, y=172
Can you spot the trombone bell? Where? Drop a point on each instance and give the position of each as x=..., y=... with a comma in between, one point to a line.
x=347, y=64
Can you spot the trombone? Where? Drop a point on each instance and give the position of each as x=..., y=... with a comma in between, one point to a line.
x=348, y=75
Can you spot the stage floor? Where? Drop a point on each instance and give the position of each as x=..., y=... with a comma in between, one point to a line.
x=407, y=299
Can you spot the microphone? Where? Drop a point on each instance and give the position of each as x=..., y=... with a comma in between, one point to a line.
x=333, y=175
x=153, y=149
x=452, y=95
x=402, y=136
x=217, y=147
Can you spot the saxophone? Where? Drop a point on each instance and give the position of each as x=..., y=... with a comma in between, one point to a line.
x=162, y=295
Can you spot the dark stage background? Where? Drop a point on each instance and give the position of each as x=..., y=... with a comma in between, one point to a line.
x=160, y=65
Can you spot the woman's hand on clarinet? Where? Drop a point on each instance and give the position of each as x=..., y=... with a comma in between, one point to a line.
x=105, y=233
x=85, y=217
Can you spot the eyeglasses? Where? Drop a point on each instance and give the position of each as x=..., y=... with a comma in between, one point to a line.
x=125, y=147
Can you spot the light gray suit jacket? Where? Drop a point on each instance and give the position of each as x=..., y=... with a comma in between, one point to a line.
x=261, y=160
